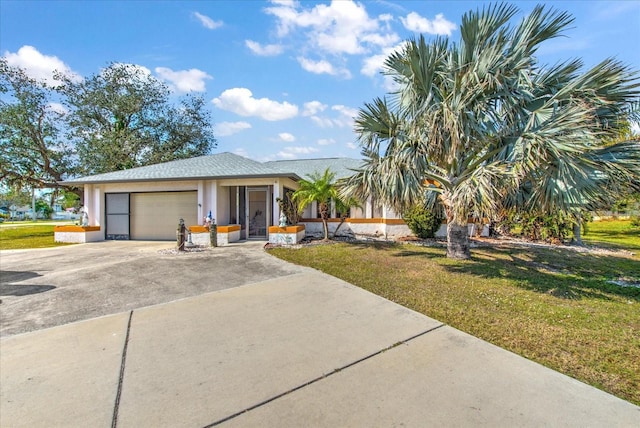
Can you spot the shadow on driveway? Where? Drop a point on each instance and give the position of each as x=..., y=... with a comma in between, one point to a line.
x=43, y=288
x=8, y=288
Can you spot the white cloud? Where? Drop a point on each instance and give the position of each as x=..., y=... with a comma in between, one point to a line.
x=326, y=141
x=347, y=115
x=293, y=152
x=373, y=64
x=418, y=24
x=264, y=50
x=352, y=146
x=241, y=101
x=38, y=66
x=344, y=119
x=286, y=137
x=224, y=129
x=341, y=27
x=322, y=67
x=207, y=22
x=323, y=122
x=184, y=80
x=313, y=107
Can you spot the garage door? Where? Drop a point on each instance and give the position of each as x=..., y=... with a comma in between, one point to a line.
x=155, y=216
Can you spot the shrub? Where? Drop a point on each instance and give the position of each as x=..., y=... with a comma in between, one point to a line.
x=422, y=222
x=635, y=221
x=537, y=226
x=289, y=208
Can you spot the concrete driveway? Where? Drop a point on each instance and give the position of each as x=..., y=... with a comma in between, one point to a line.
x=291, y=347
x=53, y=286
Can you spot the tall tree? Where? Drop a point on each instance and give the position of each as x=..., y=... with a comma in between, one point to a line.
x=33, y=152
x=318, y=188
x=123, y=117
x=482, y=124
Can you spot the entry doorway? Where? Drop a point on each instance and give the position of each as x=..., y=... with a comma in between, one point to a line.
x=258, y=212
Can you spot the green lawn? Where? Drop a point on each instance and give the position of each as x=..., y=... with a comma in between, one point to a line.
x=552, y=305
x=614, y=234
x=32, y=235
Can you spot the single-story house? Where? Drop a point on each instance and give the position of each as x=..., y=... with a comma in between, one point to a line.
x=241, y=194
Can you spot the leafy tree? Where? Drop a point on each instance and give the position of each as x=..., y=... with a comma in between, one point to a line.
x=43, y=207
x=343, y=208
x=14, y=195
x=32, y=150
x=481, y=124
x=122, y=118
x=68, y=199
x=318, y=188
x=289, y=207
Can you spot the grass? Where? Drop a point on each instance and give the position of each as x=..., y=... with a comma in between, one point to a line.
x=614, y=234
x=551, y=305
x=21, y=236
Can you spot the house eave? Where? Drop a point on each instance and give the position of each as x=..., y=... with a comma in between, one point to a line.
x=72, y=183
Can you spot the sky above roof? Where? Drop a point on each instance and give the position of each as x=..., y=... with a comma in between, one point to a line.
x=282, y=79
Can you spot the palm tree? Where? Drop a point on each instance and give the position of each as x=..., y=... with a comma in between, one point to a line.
x=481, y=125
x=319, y=188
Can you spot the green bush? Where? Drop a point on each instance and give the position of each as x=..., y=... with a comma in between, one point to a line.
x=635, y=221
x=422, y=222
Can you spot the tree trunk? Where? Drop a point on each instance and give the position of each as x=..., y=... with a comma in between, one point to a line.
x=324, y=215
x=577, y=230
x=325, y=227
x=458, y=241
x=342, y=220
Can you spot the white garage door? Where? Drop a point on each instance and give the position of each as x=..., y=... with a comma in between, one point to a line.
x=155, y=216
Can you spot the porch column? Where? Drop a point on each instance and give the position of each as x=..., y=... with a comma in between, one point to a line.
x=95, y=219
x=201, y=203
x=213, y=200
x=368, y=208
x=88, y=203
x=278, y=190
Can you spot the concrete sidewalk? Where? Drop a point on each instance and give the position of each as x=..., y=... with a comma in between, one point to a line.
x=305, y=349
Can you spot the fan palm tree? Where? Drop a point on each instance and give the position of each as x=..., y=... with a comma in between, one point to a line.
x=481, y=125
x=318, y=188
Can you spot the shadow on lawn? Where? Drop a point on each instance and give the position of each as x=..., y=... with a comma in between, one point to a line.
x=562, y=273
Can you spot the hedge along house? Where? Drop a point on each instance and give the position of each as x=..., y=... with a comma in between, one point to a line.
x=146, y=203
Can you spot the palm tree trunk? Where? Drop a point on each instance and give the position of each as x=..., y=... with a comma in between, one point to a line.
x=577, y=229
x=324, y=215
x=342, y=220
x=458, y=241
x=325, y=227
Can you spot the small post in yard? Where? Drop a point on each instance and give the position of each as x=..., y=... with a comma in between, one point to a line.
x=180, y=235
x=213, y=233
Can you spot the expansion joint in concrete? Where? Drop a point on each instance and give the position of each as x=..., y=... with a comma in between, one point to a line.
x=319, y=378
x=116, y=406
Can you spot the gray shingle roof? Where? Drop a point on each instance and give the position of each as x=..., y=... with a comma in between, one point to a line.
x=219, y=166
x=342, y=167
x=222, y=165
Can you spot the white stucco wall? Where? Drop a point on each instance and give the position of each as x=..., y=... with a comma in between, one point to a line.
x=78, y=237
x=283, y=238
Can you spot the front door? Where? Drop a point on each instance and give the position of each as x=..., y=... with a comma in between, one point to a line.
x=257, y=212
x=117, y=210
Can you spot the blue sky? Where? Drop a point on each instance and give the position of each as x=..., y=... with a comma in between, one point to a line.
x=283, y=79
